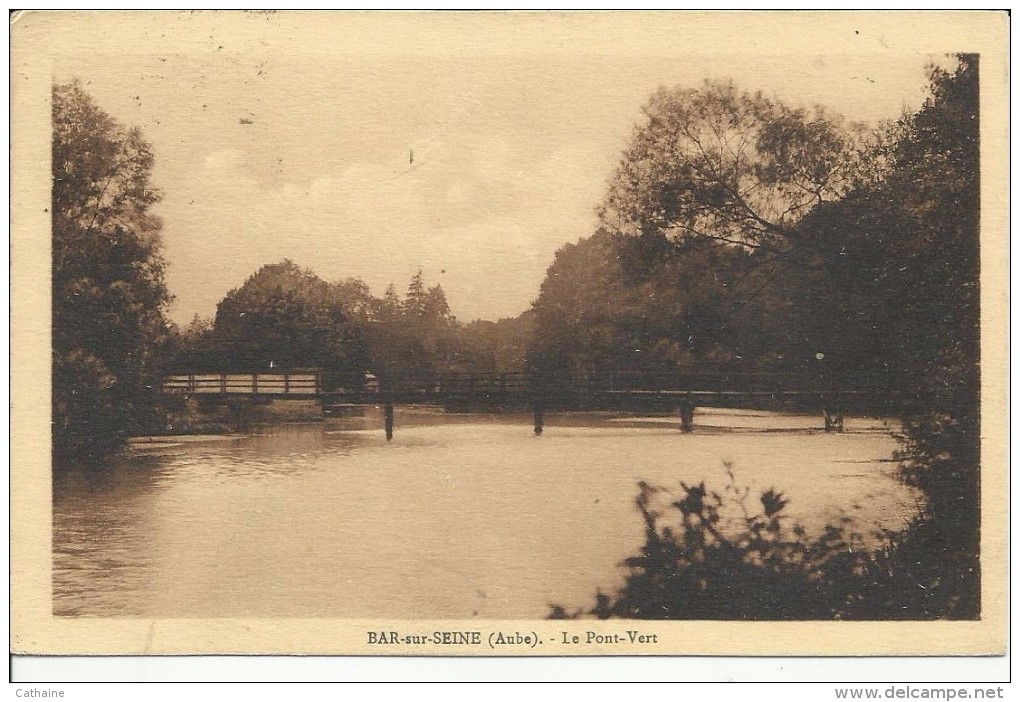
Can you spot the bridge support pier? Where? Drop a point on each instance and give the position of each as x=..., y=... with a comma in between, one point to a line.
x=388, y=420
x=833, y=418
x=686, y=411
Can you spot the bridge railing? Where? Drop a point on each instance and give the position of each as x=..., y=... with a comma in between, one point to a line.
x=468, y=387
x=303, y=384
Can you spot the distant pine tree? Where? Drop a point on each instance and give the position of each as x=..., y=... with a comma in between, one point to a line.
x=416, y=298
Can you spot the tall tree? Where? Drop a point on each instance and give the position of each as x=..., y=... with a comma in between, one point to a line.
x=356, y=298
x=930, y=208
x=109, y=294
x=388, y=308
x=417, y=296
x=416, y=337
x=890, y=272
x=729, y=166
x=578, y=310
x=436, y=306
x=285, y=316
x=711, y=192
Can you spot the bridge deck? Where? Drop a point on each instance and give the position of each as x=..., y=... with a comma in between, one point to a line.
x=466, y=387
x=673, y=392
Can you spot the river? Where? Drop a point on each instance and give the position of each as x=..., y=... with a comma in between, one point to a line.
x=459, y=516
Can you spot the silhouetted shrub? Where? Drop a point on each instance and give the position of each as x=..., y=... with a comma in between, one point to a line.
x=708, y=555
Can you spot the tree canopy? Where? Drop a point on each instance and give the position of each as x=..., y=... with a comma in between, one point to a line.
x=109, y=294
x=717, y=163
x=739, y=233
x=286, y=316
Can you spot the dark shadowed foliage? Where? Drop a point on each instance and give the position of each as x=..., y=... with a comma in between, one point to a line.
x=285, y=316
x=109, y=295
x=415, y=336
x=875, y=266
x=922, y=221
x=713, y=556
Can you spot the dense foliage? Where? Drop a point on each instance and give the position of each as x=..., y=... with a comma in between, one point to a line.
x=717, y=555
x=414, y=336
x=711, y=555
x=616, y=303
x=108, y=290
x=287, y=317
x=726, y=247
x=704, y=258
x=875, y=271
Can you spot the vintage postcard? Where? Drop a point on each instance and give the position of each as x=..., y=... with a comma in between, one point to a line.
x=509, y=334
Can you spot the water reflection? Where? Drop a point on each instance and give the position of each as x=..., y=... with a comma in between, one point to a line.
x=458, y=516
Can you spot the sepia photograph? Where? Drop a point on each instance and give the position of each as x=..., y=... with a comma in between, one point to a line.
x=508, y=333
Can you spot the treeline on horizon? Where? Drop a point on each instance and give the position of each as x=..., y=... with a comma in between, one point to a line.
x=738, y=234
x=286, y=317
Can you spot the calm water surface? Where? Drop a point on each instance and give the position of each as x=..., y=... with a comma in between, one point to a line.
x=459, y=516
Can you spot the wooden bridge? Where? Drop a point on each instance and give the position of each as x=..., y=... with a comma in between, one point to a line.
x=622, y=390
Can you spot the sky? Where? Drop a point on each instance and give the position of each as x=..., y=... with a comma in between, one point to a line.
x=264, y=154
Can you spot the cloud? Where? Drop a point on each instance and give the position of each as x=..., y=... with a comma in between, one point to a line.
x=485, y=214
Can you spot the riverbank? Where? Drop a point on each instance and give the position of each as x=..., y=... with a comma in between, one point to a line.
x=153, y=443
x=207, y=416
